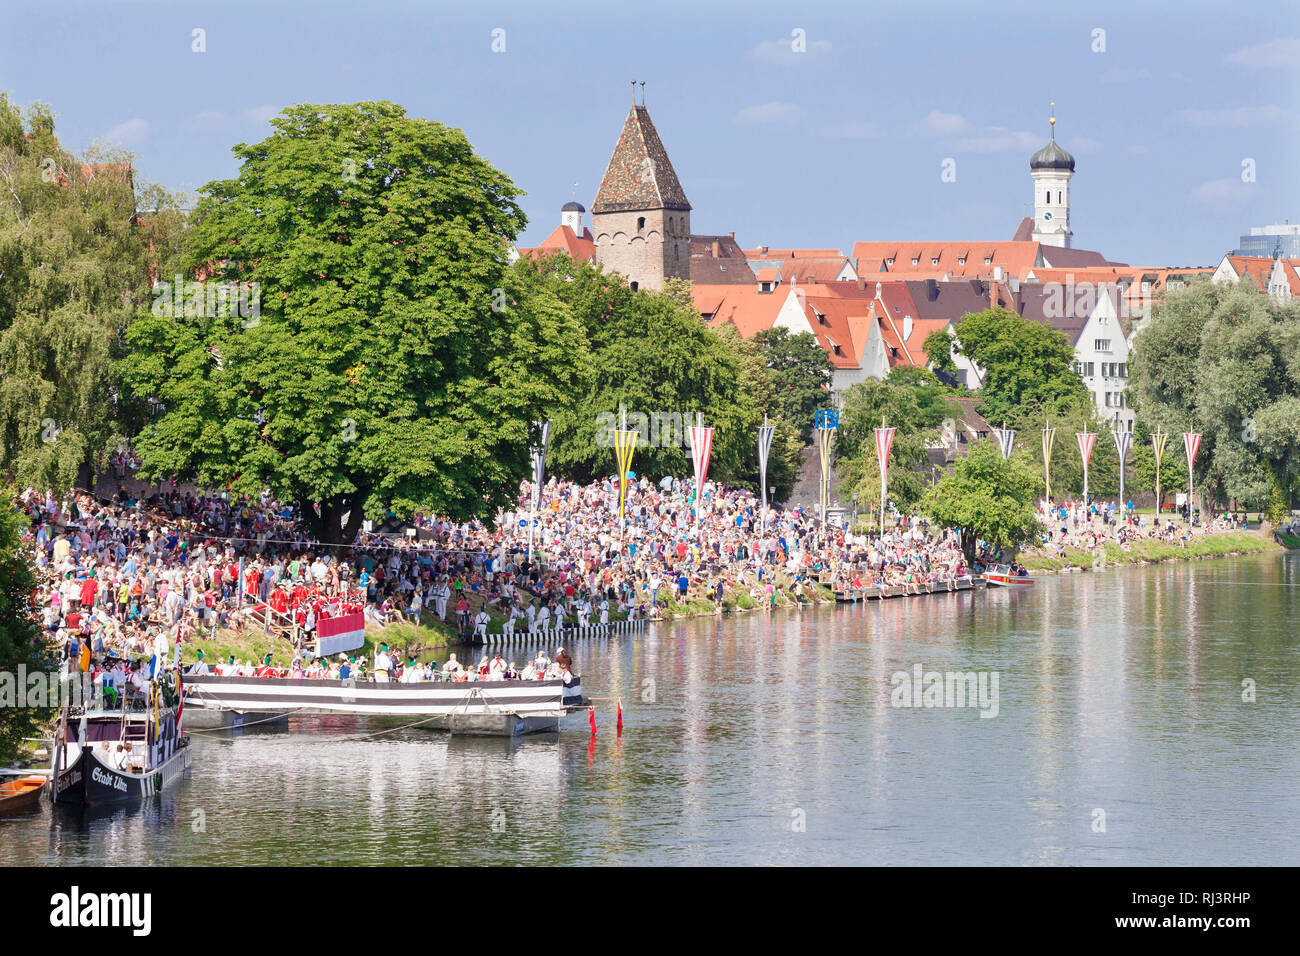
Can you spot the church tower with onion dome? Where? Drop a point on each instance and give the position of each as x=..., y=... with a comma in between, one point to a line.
x=641, y=218
x=1051, y=169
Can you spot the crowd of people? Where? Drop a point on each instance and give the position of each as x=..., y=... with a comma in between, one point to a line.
x=117, y=574
x=1089, y=527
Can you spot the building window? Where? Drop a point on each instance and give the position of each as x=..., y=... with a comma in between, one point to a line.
x=634, y=286
x=960, y=262
x=915, y=260
x=934, y=261
x=640, y=223
x=1048, y=197
x=1108, y=403
x=1101, y=345
x=889, y=262
x=1059, y=197
x=1123, y=371
x=988, y=260
x=1089, y=369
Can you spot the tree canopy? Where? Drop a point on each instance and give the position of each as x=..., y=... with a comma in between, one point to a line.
x=385, y=356
x=1028, y=367
x=987, y=498
x=1224, y=361
x=74, y=258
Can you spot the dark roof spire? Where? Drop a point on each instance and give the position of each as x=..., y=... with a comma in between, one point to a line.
x=639, y=174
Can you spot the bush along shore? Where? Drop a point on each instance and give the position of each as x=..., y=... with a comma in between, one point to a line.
x=1147, y=551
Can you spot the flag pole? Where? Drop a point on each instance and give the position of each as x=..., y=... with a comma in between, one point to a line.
x=882, y=487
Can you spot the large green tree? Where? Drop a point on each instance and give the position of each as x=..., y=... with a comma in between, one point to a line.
x=1028, y=367
x=986, y=497
x=73, y=260
x=1224, y=361
x=385, y=356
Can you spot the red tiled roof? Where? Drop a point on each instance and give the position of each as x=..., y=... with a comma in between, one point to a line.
x=749, y=310
x=563, y=240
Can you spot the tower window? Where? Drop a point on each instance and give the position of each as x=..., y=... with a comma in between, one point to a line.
x=1059, y=197
x=1049, y=196
x=634, y=286
x=640, y=223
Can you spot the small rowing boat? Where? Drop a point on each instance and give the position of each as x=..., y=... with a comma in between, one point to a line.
x=21, y=794
x=1001, y=575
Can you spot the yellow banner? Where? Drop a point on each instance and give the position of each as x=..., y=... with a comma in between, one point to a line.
x=624, y=444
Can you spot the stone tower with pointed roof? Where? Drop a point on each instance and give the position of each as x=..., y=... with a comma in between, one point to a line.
x=641, y=218
x=1051, y=169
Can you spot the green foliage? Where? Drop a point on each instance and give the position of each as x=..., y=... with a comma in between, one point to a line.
x=395, y=363
x=1224, y=361
x=73, y=259
x=651, y=356
x=1028, y=368
x=800, y=373
x=908, y=399
x=20, y=638
x=938, y=348
x=986, y=497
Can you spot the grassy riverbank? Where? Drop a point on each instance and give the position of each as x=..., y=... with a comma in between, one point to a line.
x=1219, y=545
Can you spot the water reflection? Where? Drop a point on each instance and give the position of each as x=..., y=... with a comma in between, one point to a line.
x=772, y=739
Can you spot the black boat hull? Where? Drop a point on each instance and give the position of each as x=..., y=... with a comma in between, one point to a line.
x=89, y=781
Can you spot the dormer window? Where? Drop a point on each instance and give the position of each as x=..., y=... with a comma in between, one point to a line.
x=916, y=260
x=988, y=260
x=934, y=261
x=961, y=261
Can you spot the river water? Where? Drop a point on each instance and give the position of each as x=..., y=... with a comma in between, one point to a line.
x=1121, y=737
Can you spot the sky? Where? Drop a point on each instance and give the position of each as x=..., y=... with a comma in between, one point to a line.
x=1183, y=117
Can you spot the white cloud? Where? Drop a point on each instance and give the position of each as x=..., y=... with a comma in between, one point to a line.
x=853, y=129
x=208, y=121
x=1126, y=74
x=767, y=113
x=997, y=139
x=782, y=52
x=1223, y=191
x=1282, y=54
x=944, y=124
x=261, y=114
x=1238, y=117
x=128, y=133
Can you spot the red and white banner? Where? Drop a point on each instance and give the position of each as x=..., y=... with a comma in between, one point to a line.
x=1086, y=441
x=884, y=442
x=1192, y=442
x=701, y=447
x=334, y=635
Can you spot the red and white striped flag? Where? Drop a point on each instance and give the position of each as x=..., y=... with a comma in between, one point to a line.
x=334, y=635
x=1192, y=442
x=701, y=446
x=884, y=442
x=1086, y=441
